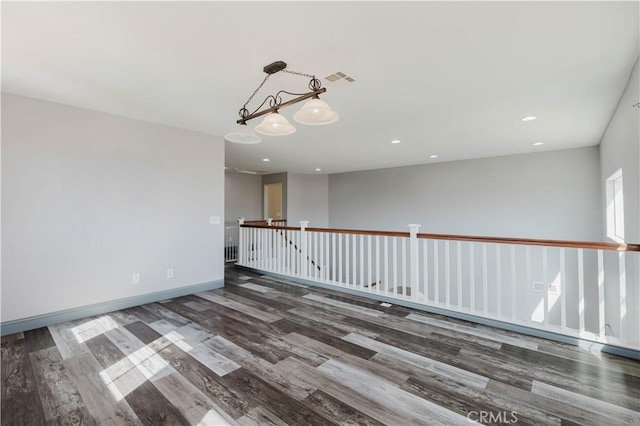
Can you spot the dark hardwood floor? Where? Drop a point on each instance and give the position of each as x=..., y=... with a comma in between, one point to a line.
x=263, y=351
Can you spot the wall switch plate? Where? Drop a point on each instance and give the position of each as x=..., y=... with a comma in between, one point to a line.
x=538, y=286
x=170, y=273
x=214, y=220
x=136, y=278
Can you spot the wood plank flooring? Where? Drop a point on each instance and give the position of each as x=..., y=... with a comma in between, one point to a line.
x=264, y=351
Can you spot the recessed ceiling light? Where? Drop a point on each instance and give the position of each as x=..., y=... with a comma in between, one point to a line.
x=433, y=156
x=528, y=118
x=318, y=170
x=395, y=141
x=537, y=143
x=265, y=160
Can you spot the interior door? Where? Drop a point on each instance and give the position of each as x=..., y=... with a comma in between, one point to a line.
x=273, y=201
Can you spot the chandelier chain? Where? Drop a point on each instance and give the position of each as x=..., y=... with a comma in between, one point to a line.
x=299, y=73
x=256, y=91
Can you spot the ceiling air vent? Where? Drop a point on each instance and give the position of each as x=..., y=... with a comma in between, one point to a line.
x=339, y=78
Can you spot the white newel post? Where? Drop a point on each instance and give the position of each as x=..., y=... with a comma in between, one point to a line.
x=414, y=266
x=241, y=242
x=304, y=264
x=269, y=221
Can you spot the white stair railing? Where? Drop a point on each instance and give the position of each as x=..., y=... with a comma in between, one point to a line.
x=231, y=239
x=579, y=289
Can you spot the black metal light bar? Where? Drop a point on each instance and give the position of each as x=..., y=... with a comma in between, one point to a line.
x=275, y=101
x=281, y=105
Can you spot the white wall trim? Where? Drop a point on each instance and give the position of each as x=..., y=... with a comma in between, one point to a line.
x=37, y=321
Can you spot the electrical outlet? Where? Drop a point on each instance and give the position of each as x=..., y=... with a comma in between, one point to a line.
x=136, y=278
x=214, y=220
x=170, y=273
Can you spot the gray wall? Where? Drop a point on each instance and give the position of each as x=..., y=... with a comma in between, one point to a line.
x=620, y=149
x=308, y=199
x=90, y=198
x=242, y=197
x=553, y=194
x=276, y=178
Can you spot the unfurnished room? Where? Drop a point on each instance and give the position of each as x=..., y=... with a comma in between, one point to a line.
x=320, y=213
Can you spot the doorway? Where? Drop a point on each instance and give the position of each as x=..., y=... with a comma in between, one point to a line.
x=273, y=201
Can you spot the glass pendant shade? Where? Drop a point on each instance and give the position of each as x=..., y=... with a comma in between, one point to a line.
x=243, y=134
x=275, y=125
x=316, y=112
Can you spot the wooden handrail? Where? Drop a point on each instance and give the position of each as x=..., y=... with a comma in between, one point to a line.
x=262, y=222
x=535, y=242
x=472, y=238
x=335, y=231
x=356, y=231
x=286, y=228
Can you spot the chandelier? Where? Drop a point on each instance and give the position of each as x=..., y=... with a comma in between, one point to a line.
x=314, y=112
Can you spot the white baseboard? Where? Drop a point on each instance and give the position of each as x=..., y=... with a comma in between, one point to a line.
x=30, y=323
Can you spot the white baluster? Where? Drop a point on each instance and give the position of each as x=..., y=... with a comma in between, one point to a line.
x=386, y=264
x=514, y=283
x=347, y=254
x=395, y=265
x=459, y=267
x=340, y=259
x=499, y=279
x=447, y=273
x=413, y=262
x=322, y=259
x=622, y=283
x=354, y=270
x=436, y=273
x=333, y=257
x=304, y=248
x=601, y=307
x=289, y=253
x=360, y=281
x=405, y=281
x=545, y=279
x=369, y=277
x=425, y=252
x=528, y=282
x=485, y=281
x=563, y=290
x=315, y=257
x=267, y=248
x=472, y=277
x=581, y=302
x=378, y=261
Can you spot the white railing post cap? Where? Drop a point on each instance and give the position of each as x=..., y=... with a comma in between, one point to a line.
x=241, y=220
x=413, y=229
x=269, y=220
x=304, y=224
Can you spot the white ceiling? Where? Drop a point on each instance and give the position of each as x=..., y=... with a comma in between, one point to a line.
x=445, y=78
